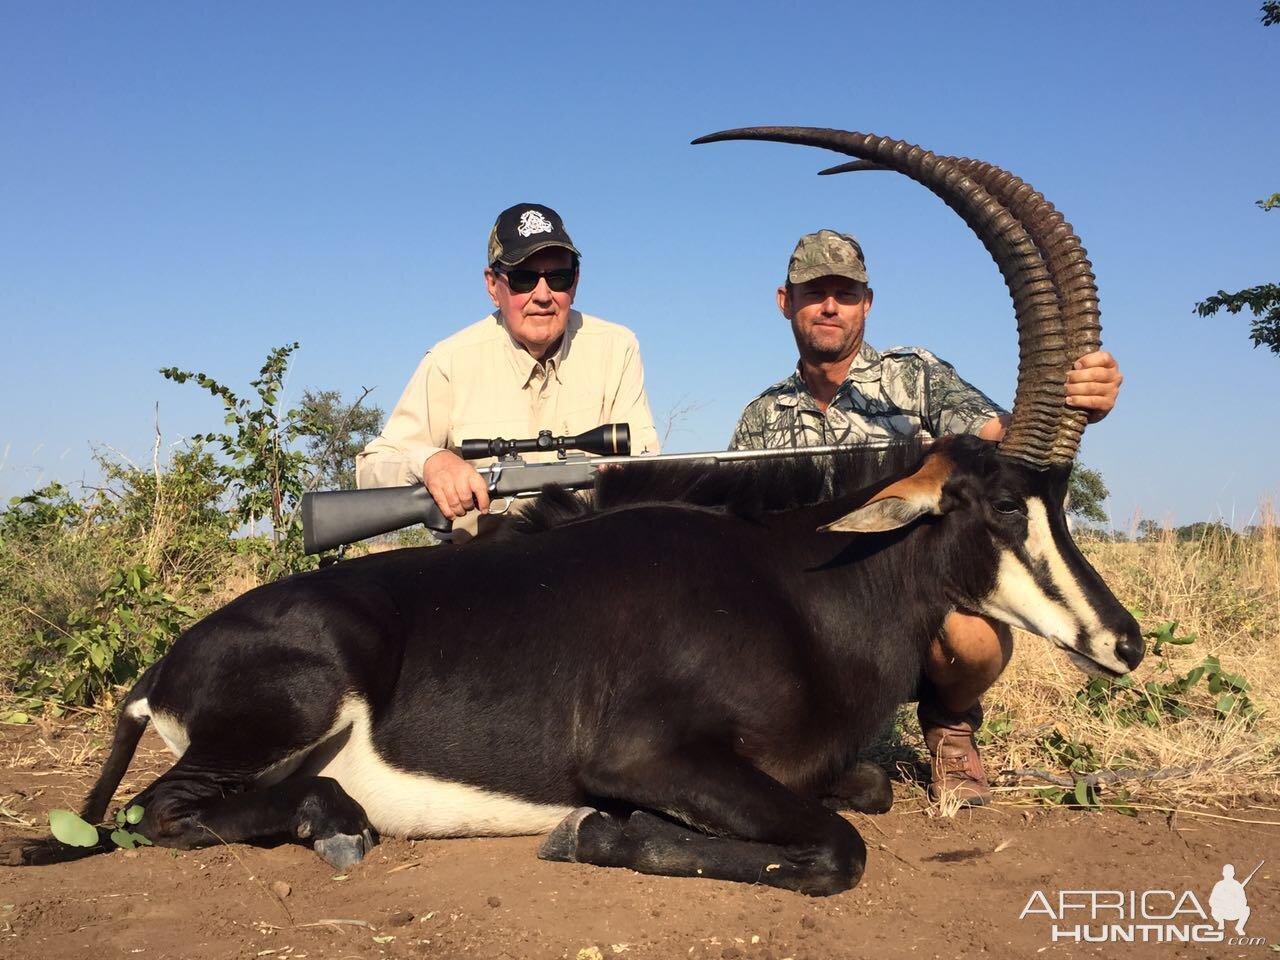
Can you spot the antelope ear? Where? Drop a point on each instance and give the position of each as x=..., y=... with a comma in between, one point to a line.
x=901, y=502
x=888, y=513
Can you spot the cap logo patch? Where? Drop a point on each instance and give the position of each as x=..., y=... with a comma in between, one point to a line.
x=531, y=222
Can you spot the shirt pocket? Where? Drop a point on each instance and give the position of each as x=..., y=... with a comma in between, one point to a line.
x=579, y=416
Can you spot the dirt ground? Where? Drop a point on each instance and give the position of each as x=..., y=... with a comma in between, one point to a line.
x=934, y=887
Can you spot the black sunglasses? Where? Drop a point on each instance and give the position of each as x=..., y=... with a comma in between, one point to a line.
x=523, y=281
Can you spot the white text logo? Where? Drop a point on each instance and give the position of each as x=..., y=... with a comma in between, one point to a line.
x=1147, y=916
x=531, y=222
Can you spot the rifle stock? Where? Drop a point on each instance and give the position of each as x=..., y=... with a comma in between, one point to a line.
x=334, y=517
x=331, y=518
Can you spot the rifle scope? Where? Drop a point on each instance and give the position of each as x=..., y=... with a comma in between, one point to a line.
x=610, y=439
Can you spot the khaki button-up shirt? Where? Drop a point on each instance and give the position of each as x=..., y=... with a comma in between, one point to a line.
x=480, y=383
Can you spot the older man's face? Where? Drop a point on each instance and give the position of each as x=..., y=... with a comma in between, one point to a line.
x=536, y=319
x=828, y=317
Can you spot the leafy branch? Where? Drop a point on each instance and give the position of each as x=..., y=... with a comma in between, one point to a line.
x=1263, y=300
x=265, y=477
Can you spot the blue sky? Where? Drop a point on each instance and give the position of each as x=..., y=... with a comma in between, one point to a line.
x=194, y=184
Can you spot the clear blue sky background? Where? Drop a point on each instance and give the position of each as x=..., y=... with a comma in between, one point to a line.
x=194, y=184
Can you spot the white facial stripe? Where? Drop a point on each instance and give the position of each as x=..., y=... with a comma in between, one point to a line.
x=1040, y=546
x=1019, y=600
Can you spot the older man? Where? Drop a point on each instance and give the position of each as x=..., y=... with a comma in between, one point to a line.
x=533, y=364
x=844, y=391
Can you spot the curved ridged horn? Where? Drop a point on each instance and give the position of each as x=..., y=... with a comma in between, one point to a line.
x=1039, y=408
x=1072, y=274
x=1065, y=258
x=850, y=167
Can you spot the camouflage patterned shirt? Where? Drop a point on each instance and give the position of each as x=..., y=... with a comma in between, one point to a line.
x=897, y=394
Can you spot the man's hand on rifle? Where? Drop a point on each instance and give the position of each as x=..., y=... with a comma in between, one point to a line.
x=454, y=484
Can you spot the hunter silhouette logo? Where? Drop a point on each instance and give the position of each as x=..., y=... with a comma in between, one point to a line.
x=1228, y=900
x=531, y=222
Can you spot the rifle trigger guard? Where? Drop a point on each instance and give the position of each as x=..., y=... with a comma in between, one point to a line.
x=506, y=505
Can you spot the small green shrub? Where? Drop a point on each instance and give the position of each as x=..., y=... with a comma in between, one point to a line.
x=50, y=508
x=1158, y=701
x=95, y=588
x=130, y=625
x=1082, y=761
x=74, y=831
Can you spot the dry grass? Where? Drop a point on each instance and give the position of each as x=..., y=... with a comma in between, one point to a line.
x=38, y=589
x=1224, y=589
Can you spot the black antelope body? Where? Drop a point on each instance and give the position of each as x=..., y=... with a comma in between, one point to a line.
x=667, y=680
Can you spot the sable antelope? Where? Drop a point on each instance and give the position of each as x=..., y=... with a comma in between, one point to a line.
x=668, y=678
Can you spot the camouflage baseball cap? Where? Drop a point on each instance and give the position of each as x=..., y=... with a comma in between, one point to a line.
x=523, y=230
x=826, y=254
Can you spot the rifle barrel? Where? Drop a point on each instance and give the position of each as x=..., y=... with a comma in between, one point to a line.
x=1250, y=876
x=331, y=518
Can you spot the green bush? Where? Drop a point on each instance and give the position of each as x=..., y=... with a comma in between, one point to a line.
x=129, y=626
x=94, y=589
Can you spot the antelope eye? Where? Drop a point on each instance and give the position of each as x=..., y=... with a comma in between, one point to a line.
x=1006, y=505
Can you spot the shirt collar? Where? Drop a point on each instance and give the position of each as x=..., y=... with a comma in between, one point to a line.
x=865, y=368
x=522, y=362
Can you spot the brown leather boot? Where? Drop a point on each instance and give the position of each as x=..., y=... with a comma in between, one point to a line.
x=956, y=767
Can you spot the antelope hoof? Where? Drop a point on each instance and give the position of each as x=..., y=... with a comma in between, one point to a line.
x=343, y=850
x=561, y=844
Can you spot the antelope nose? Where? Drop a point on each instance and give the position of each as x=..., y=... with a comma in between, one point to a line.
x=1132, y=647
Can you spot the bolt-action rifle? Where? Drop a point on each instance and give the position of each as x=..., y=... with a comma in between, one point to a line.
x=335, y=517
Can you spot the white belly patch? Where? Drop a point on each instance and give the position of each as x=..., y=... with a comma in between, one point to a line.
x=404, y=804
x=397, y=802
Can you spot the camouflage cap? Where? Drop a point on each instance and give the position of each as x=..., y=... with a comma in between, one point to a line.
x=826, y=254
x=523, y=230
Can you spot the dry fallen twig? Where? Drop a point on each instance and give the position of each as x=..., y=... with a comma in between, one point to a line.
x=1106, y=776
x=404, y=866
x=338, y=923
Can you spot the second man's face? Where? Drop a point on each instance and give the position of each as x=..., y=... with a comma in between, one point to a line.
x=828, y=317
x=537, y=319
